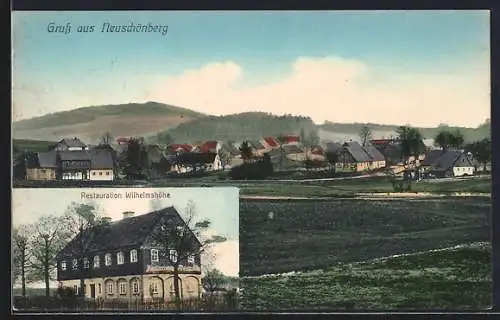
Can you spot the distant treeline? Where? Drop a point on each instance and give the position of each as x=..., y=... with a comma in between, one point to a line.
x=238, y=127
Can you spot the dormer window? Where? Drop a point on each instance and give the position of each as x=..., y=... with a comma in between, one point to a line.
x=133, y=256
x=154, y=255
x=63, y=265
x=190, y=260
x=173, y=255
x=120, y=258
x=86, y=264
x=107, y=259
x=96, y=262
x=75, y=264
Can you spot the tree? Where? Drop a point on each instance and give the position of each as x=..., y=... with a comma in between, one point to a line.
x=77, y=221
x=213, y=280
x=481, y=150
x=246, y=151
x=164, y=138
x=106, y=138
x=302, y=136
x=446, y=140
x=411, y=141
x=48, y=240
x=224, y=157
x=183, y=238
x=281, y=141
x=21, y=249
x=332, y=158
x=135, y=159
x=365, y=135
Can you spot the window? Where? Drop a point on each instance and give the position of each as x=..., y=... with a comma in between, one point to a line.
x=154, y=255
x=93, y=173
x=63, y=265
x=190, y=260
x=107, y=173
x=154, y=288
x=119, y=258
x=109, y=288
x=75, y=264
x=84, y=289
x=135, y=287
x=133, y=255
x=123, y=288
x=99, y=290
x=96, y=262
x=86, y=264
x=100, y=173
x=75, y=289
x=107, y=259
x=173, y=255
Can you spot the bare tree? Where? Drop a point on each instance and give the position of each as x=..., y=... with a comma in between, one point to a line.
x=183, y=239
x=224, y=157
x=365, y=135
x=106, y=138
x=48, y=240
x=78, y=220
x=21, y=254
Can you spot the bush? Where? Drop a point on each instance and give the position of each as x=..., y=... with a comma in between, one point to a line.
x=257, y=170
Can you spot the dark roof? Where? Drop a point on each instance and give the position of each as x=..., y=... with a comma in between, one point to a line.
x=47, y=159
x=124, y=233
x=356, y=150
x=291, y=149
x=374, y=153
x=72, y=143
x=441, y=160
x=332, y=147
x=256, y=144
x=31, y=160
x=101, y=159
x=74, y=155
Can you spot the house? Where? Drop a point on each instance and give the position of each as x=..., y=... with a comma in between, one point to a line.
x=352, y=158
x=73, y=165
x=180, y=147
x=209, y=146
x=120, y=260
x=258, y=147
x=377, y=158
x=74, y=144
x=102, y=165
x=448, y=163
x=41, y=165
x=122, y=140
x=392, y=150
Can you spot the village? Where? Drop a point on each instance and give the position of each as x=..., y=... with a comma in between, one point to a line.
x=131, y=158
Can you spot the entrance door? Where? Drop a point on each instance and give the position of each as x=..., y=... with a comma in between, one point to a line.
x=92, y=291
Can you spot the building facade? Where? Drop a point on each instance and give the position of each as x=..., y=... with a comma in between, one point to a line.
x=122, y=261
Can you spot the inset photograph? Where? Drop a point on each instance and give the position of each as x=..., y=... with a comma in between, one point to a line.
x=137, y=250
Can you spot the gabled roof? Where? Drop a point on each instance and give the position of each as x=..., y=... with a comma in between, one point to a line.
x=101, y=159
x=74, y=155
x=256, y=144
x=291, y=149
x=290, y=138
x=332, y=147
x=209, y=146
x=183, y=147
x=47, y=159
x=357, y=151
x=442, y=160
x=72, y=143
x=129, y=232
x=374, y=153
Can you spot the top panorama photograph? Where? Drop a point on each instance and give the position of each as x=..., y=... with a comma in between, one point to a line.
x=279, y=104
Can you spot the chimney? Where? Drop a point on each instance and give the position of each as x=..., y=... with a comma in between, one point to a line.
x=128, y=214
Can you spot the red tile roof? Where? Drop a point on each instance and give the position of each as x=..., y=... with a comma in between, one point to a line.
x=381, y=141
x=290, y=139
x=209, y=146
x=271, y=142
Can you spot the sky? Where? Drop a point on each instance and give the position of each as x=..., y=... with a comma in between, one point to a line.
x=219, y=205
x=414, y=67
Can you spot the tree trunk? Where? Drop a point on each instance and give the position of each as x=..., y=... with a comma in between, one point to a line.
x=23, y=276
x=46, y=278
x=176, y=288
x=82, y=288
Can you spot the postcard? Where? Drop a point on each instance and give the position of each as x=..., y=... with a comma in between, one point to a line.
x=125, y=250
x=359, y=142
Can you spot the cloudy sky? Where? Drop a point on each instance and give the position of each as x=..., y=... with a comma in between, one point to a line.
x=417, y=67
x=219, y=205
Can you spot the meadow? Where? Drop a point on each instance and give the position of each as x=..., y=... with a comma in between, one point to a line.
x=455, y=279
x=315, y=234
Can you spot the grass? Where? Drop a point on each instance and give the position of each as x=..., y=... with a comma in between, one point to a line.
x=33, y=292
x=314, y=234
x=457, y=279
x=21, y=145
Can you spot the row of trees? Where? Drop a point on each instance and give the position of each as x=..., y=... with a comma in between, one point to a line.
x=35, y=247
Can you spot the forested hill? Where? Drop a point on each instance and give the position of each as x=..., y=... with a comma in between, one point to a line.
x=237, y=127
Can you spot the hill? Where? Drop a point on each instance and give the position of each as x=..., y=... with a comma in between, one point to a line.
x=339, y=131
x=89, y=123
x=241, y=126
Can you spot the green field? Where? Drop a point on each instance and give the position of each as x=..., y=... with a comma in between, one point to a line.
x=315, y=234
x=457, y=279
x=20, y=145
